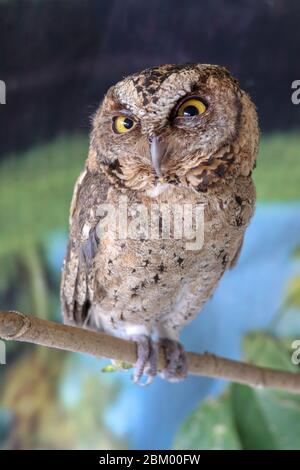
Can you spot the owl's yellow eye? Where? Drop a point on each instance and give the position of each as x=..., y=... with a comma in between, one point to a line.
x=122, y=124
x=191, y=107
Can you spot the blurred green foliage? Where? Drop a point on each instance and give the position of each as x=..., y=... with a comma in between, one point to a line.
x=38, y=409
x=277, y=174
x=211, y=426
x=248, y=418
x=36, y=190
x=35, y=193
x=293, y=293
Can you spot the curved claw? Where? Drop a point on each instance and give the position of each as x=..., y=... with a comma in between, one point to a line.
x=138, y=380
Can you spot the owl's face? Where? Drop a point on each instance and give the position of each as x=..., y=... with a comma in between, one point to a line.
x=169, y=122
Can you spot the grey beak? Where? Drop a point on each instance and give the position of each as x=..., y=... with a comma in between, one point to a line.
x=157, y=150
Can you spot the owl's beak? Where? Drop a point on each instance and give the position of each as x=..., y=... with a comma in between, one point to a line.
x=158, y=151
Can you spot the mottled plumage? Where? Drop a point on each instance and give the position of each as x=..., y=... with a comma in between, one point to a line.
x=136, y=288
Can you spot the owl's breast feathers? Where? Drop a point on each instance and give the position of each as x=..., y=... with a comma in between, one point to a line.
x=109, y=282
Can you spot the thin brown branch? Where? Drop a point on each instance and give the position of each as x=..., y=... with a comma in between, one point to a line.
x=19, y=327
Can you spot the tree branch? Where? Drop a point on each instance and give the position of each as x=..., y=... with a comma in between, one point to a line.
x=19, y=327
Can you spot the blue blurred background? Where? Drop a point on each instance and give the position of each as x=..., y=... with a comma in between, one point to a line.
x=57, y=59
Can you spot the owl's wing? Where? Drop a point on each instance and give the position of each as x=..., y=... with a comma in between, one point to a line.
x=77, y=285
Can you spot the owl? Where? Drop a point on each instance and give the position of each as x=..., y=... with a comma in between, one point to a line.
x=163, y=140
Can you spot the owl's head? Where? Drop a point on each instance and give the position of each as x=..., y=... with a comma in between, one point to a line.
x=185, y=124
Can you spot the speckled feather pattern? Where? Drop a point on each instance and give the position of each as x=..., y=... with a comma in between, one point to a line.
x=150, y=286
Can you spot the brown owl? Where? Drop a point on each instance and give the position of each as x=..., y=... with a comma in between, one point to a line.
x=170, y=138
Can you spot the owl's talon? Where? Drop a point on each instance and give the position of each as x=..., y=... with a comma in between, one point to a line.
x=176, y=362
x=146, y=363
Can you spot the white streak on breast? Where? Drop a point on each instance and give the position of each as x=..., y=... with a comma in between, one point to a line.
x=157, y=190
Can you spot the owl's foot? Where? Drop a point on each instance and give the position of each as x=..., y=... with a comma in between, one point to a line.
x=176, y=368
x=146, y=363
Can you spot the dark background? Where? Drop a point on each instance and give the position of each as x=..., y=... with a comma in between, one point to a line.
x=58, y=57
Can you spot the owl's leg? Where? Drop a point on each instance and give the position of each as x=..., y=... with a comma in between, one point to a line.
x=146, y=363
x=176, y=363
